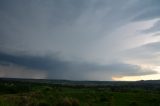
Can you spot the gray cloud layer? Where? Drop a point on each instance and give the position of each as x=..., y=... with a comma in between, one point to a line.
x=154, y=28
x=148, y=53
x=80, y=30
x=57, y=68
x=65, y=23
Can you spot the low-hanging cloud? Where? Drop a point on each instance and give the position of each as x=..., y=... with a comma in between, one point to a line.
x=56, y=68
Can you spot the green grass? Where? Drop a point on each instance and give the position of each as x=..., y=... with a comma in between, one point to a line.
x=33, y=94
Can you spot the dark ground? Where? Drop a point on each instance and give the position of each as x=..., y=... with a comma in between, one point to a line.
x=29, y=92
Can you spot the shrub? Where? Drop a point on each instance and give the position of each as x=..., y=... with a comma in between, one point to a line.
x=69, y=102
x=111, y=101
x=75, y=102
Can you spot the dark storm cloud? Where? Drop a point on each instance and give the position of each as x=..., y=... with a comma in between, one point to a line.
x=22, y=19
x=74, y=28
x=38, y=13
x=56, y=11
x=34, y=21
x=57, y=68
x=33, y=62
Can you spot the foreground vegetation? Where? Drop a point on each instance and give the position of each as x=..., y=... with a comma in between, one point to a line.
x=19, y=93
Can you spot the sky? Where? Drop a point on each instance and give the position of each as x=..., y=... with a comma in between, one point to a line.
x=104, y=40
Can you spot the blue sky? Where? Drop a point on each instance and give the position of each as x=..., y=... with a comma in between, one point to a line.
x=80, y=39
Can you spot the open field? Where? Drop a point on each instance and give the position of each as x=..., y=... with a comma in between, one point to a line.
x=16, y=92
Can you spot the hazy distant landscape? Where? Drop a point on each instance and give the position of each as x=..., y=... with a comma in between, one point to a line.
x=31, y=92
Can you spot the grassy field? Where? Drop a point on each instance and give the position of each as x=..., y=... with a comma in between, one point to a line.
x=14, y=93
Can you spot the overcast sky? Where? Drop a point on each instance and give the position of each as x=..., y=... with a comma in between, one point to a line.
x=80, y=39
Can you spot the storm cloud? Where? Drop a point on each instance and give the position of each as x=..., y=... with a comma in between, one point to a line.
x=54, y=67
x=85, y=39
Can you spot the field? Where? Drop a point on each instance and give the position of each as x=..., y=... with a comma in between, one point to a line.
x=34, y=93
